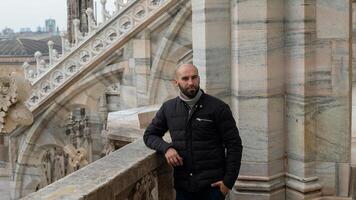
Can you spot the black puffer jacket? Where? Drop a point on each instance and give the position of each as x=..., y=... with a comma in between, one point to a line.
x=200, y=138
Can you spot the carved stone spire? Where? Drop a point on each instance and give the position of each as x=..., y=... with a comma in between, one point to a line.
x=76, y=10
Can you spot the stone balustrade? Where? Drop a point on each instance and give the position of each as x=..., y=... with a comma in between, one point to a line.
x=133, y=172
x=53, y=56
x=101, y=42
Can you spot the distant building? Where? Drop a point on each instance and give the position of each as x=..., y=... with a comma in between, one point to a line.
x=50, y=25
x=25, y=30
x=40, y=29
x=8, y=31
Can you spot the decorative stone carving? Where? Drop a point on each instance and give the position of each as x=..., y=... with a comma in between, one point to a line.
x=143, y=188
x=78, y=35
x=53, y=166
x=80, y=147
x=104, y=12
x=86, y=48
x=14, y=91
x=91, y=20
x=113, y=89
x=77, y=158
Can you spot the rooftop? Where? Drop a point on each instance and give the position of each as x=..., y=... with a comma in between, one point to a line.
x=25, y=47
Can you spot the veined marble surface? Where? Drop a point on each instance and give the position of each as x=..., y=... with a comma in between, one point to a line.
x=128, y=118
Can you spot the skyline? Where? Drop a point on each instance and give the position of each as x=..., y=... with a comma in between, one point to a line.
x=33, y=13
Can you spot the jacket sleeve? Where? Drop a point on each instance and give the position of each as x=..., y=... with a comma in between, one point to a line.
x=155, y=131
x=232, y=141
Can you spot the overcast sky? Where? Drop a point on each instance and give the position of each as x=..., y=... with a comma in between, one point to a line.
x=17, y=14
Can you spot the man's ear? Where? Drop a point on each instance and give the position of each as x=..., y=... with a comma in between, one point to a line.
x=175, y=82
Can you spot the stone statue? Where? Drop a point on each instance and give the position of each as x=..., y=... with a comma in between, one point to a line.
x=78, y=158
x=58, y=165
x=46, y=167
x=53, y=166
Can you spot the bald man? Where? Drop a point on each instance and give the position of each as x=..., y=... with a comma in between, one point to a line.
x=206, y=149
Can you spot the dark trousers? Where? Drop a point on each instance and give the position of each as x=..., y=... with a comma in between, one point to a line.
x=206, y=194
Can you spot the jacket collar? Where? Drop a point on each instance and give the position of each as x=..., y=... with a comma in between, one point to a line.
x=199, y=102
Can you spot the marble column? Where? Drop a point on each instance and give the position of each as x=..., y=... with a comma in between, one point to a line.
x=211, y=45
x=318, y=87
x=258, y=97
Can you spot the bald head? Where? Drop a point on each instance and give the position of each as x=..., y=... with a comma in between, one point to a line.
x=187, y=79
x=183, y=68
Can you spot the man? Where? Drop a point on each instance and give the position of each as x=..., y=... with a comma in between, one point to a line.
x=206, y=147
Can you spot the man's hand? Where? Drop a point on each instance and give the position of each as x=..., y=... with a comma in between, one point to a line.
x=222, y=187
x=173, y=157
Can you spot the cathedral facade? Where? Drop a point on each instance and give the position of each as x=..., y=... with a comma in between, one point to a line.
x=283, y=66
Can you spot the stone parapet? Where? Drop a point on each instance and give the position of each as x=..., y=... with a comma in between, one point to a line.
x=132, y=172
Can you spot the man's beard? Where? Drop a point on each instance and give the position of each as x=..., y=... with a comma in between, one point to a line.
x=189, y=92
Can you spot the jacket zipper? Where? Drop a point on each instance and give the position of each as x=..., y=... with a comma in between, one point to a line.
x=204, y=120
x=191, y=113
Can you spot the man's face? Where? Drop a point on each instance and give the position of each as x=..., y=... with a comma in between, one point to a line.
x=188, y=80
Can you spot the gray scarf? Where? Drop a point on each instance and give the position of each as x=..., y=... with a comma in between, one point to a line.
x=190, y=101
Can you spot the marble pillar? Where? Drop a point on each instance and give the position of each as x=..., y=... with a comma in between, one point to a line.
x=318, y=88
x=258, y=97
x=211, y=45
x=300, y=55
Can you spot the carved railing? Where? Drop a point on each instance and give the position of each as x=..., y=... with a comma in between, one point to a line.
x=133, y=172
x=90, y=50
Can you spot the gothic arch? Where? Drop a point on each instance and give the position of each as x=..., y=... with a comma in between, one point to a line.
x=33, y=133
x=164, y=49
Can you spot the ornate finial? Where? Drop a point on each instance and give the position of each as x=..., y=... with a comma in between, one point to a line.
x=38, y=54
x=76, y=22
x=50, y=43
x=25, y=65
x=89, y=11
x=42, y=63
